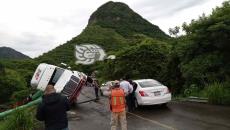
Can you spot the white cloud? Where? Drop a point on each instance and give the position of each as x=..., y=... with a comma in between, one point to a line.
x=37, y=26
x=186, y=15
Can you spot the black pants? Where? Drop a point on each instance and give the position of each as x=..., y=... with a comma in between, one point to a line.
x=96, y=92
x=132, y=101
x=129, y=102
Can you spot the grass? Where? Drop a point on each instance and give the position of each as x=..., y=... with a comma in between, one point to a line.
x=195, y=91
x=19, y=120
x=215, y=92
x=1, y=125
x=218, y=93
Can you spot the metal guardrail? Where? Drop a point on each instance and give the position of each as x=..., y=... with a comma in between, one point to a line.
x=196, y=99
x=5, y=113
x=36, y=98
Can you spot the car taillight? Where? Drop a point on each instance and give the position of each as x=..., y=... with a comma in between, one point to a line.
x=143, y=94
x=167, y=90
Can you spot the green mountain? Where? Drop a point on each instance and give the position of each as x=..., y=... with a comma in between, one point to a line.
x=9, y=53
x=125, y=21
x=113, y=26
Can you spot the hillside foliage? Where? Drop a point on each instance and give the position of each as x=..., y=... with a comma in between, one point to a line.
x=124, y=20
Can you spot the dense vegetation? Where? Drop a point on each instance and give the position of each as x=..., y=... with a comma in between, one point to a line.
x=140, y=61
x=15, y=79
x=20, y=120
x=196, y=63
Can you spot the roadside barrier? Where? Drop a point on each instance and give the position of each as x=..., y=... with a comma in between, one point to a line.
x=36, y=98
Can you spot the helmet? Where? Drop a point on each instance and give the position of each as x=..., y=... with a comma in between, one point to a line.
x=116, y=83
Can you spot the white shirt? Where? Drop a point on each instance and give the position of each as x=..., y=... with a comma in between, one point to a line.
x=128, y=88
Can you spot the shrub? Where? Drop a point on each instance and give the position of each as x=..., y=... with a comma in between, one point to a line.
x=19, y=120
x=216, y=93
x=226, y=97
x=20, y=95
x=10, y=82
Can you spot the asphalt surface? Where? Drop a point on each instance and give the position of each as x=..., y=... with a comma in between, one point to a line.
x=175, y=116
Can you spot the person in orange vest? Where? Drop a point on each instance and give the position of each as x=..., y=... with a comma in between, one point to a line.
x=117, y=106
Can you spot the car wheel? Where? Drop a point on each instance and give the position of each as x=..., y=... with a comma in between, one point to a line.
x=164, y=105
x=136, y=103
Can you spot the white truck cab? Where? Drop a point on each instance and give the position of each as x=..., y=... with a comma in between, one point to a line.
x=68, y=83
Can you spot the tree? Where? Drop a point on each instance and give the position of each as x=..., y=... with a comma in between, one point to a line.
x=9, y=83
x=146, y=60
x=204, y=50
x=2, y=69
x=174, y=31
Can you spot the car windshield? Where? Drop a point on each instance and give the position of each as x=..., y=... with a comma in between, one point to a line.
x=149, y=83
x=57, y=74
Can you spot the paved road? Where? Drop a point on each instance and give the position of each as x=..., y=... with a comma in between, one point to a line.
x=176, y=116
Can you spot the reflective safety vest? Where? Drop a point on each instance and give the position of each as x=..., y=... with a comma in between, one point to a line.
x=117, y=101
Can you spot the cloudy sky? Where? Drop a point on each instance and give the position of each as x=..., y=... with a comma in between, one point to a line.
x=37, y=26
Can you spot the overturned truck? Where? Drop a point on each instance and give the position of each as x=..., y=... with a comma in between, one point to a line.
x=67, y=82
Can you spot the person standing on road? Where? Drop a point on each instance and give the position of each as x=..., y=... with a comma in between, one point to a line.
x=53, y=109
x=132, y=95
x=96, y=88
x=117, y=106
x=95, y=84
x=128, y=89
